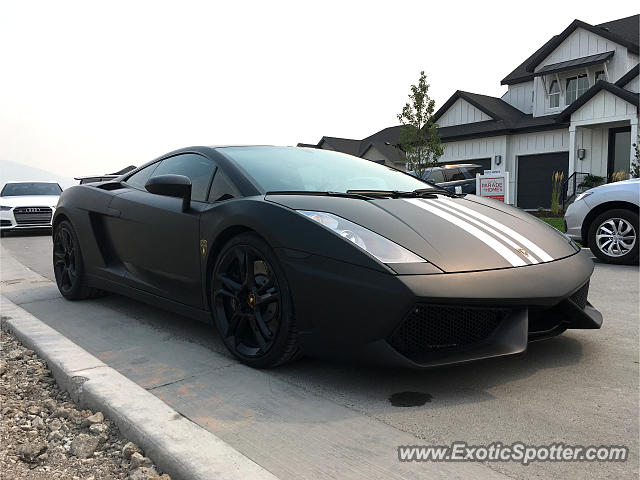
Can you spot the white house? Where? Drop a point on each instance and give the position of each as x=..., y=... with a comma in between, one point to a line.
x=571, y=106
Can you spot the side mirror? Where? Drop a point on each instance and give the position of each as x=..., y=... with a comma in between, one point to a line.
x=171, y=186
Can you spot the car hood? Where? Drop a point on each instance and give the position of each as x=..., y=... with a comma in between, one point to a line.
x=30, y=201
x=455, y=234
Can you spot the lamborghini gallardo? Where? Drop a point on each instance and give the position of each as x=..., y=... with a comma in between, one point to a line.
x=300, y=251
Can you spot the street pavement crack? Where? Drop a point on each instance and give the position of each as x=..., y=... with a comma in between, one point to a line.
x=189, y=377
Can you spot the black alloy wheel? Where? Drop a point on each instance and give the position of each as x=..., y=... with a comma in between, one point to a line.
x=67, y=264
x=251, y=303
x=64, y=259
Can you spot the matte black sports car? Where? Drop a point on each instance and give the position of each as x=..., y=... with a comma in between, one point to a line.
x=292, y=251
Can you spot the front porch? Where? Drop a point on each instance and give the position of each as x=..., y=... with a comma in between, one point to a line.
x=599, y=153
x=603, y=128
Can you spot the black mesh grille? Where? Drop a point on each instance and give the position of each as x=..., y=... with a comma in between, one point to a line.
x=433, y=327
x=580, y=297
x=32, y=215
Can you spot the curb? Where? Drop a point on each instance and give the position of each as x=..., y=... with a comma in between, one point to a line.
x=176, y=445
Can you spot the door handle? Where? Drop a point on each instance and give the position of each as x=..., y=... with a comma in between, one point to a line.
x=112, y=212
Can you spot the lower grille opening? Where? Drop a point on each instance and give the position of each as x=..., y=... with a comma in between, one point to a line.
x=5, y=223
x=428, y=328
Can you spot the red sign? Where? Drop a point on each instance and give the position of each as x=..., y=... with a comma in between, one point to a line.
x=493, y=187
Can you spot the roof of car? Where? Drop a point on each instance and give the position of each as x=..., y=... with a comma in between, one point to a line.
x=30, y=181
x=458, y=165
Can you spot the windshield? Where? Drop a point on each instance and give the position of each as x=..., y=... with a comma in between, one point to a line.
x=316, y=170
x=30, y=188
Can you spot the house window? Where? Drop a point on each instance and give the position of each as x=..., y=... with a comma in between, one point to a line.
x=554, y=94
x=600, y=75
x=576, y=86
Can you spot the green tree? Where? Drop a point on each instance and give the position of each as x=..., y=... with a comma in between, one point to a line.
x=419, y=139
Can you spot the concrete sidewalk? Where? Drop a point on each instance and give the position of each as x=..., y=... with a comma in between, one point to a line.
x=221, y=404
x=177, y=445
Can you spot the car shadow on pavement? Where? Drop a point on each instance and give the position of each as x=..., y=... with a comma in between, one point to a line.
x=345, y=383
x=34, y=232
x=446, y=385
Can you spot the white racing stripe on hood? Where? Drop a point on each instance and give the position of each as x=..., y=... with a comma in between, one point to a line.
x=493, y=232
x=485, y=238
x=526, y=243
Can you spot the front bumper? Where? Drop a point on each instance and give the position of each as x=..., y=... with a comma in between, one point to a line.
x=348, y=311
x=16, y=218
x=574, y=218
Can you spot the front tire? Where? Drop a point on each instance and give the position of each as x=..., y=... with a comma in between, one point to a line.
x=251, y=303
x=613, y=237
x=68, y=266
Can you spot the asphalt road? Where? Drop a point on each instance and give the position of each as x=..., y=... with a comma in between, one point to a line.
x=316, y=419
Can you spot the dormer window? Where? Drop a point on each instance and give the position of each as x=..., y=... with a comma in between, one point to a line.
x=576, y=86
x=554, y=95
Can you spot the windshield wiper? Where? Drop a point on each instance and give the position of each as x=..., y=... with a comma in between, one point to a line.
x=420, y=192
x=320, y=193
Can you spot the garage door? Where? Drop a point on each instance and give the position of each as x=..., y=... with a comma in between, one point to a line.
x=534, y=178
x=483, y=162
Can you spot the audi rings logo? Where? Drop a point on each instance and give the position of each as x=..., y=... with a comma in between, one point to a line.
x=32, y=210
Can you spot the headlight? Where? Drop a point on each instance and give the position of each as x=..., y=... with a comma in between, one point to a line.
x=383, y=249
x=4, y=208
x=582, y=195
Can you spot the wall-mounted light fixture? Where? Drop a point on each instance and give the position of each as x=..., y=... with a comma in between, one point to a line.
x=498, y=159
x=581, y=153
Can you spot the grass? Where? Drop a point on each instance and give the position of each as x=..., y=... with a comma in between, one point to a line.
x=556, y=222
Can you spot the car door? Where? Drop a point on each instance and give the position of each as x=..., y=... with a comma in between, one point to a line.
x=158, y=243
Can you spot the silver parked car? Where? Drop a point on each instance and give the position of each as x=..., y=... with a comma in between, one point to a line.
x=606, y=219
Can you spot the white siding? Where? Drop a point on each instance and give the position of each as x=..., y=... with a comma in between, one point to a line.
x=519, y=96
x=580, y=43
x=595, y=141
x=374, y=154
x=633, y=85
x=477, y=148
x=604, y=105
x=462, y=112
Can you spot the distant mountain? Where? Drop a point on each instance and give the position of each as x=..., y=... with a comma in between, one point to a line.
x=17, y=171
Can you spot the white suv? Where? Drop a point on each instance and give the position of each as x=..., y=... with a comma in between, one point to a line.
x=606, y=219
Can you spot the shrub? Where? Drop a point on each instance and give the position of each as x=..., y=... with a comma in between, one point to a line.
x=619, y=176
x=591, y=181
x=556, y=192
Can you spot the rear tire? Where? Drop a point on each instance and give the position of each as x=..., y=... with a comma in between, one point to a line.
x=613, y=237
x=251, y=303
x=68, y=266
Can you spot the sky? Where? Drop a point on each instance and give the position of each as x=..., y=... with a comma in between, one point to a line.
x=90, y=87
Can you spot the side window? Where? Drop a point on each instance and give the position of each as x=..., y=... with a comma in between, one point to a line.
x=222, y=188
x=199, y=169
x=471, y=172
x=554, y=94
x=576, y=86
x=139, y=179
x=454, y=174
x=436, y=176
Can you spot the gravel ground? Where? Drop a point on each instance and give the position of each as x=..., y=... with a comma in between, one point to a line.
x=44, y=435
